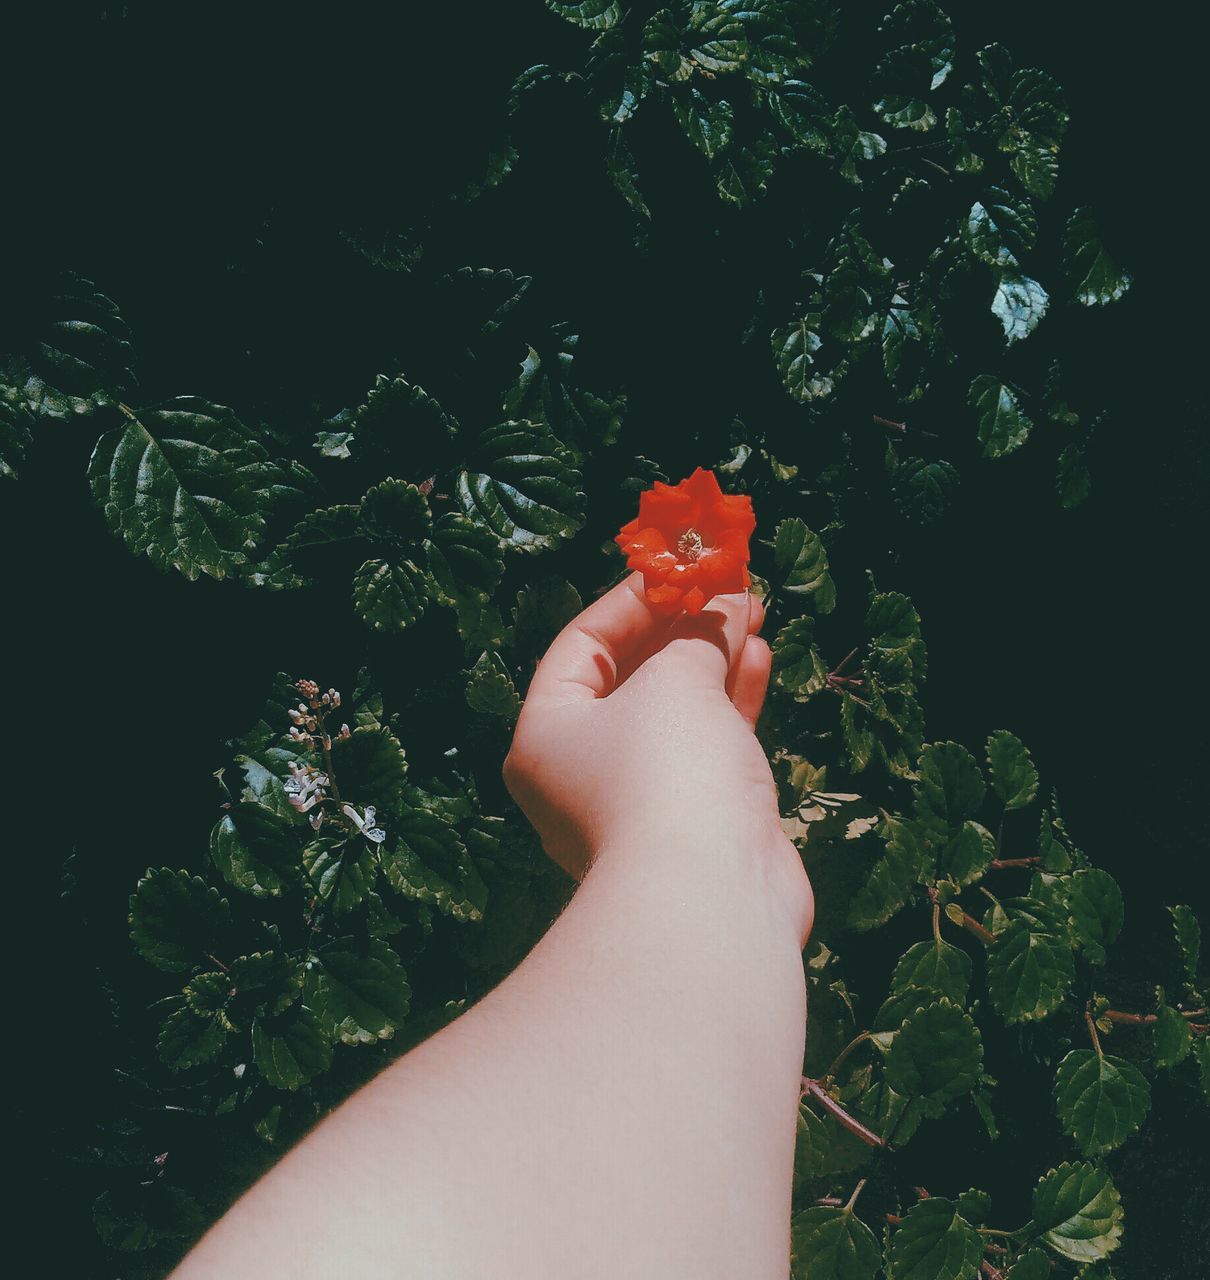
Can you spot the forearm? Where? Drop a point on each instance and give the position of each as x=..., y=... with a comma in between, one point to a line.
x=623, y=1104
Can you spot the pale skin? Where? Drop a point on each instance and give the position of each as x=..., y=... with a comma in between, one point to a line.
x=624, y=1103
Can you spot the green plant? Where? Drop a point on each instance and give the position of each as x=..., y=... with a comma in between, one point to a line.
x=453, y=518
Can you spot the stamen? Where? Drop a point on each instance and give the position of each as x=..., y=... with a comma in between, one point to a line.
x=690, y=544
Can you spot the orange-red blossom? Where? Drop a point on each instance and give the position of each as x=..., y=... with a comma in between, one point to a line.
x=690, y=542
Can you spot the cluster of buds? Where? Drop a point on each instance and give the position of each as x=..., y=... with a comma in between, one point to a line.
x=307, y=719
x=305, y=790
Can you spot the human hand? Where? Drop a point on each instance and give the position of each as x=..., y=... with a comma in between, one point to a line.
x=637, y=734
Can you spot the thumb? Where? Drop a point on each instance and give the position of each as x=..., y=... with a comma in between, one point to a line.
x=707, y=645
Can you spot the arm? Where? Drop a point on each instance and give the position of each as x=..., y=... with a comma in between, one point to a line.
x=624, y=1103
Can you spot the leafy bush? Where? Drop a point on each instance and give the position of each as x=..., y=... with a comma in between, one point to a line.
x=892, y=261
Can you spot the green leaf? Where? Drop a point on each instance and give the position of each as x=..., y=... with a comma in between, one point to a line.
x=1095, y=905
x=1097, y=278
x=522, y=487
x=265, y=789
x=1101, y=1100
x=892, y=880
x=1072, y=479
x=185, y=1040
x=794, y=349
x=490, y=689
x=341, y=870
x=1037, y=168
x=950, y=789
x=828, y=1243
x=1030, y=967
x=1003, y=426
x=662, y=46
x=966, y=856
x=707, y=124
x=934, y=966
x=797, y=665
x=290, y=1049
x=389, y=597
x=803, y=113
x=256, y=851
x=624, y=173
x=742, y=173
x=1171, y=1037
x=592, y=15
x=962, y=158
x=428, y=862
x=1019, y=303
x=178, y=483
x=974, y=1205
x=16, y=431
x=1079, y=1212
x=1188, y=939
x=1201, y=1051
x=935, y=1243
x=401, y=423
x=359, y=991
x=802, y=564
x=82, y=360
x=1014, y=777
x=176, y=919
x=616, y=84
x=851, y=144
x=1033, y=1264
x=923, y=490
x=369, y=765
x=543, y=609
x=1001, y=229
x=396, y=512
x=936, y=1056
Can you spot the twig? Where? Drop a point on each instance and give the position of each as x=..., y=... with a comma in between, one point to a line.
x=839, y=1114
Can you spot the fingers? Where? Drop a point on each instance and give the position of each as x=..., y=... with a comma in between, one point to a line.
x=584, y=659
x=751, y=679
x=708, y=645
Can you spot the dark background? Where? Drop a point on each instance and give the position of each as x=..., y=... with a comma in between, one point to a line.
x=196, y=160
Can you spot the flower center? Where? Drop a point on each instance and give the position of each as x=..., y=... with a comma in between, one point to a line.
x=690, y=544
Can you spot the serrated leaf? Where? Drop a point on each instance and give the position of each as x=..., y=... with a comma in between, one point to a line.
x=256, y=851
x=616, y=83
x=974, y=1205
x=1030, y=967
x=186, y=1040
x=1037, y=167
x=1033, y=1264
x=178, y=483
x=851, y=144
x=934, y=966
x=963, y=159
x=1171, y=1038
x=934, y=1242
x=802, y=564
x=967, y=854
x=16, y=431
x=1079, y=1212
x=1188, y=939
x=359, y=991
x=892, y=880
x=1097, y=278
x=794, y=349
x=490, y=689
x=624, y=173
x=429, y=862
x=522, y=487
x=592, y=15
x=1014, y=777
x=1003, y=425
x=950, y=789
x=341, y=870
x=389, y=597
x=923, y=490
x=543, y=609
x=742, y=172
x=1095, y=905
x=707, y=123
x=1101, y=1100
x=369, y=765
x=828, y=1243
x=662, y=43
x=290, y=1049
x=797, y=665
x=804, y=113
x=176, y=919
x=1001, y=229
x=936, y=1056
x=1072, y=478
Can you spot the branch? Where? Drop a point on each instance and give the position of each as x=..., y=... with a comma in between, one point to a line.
x=839, y=1114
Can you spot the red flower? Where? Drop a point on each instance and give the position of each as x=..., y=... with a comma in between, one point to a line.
x=690, y=541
